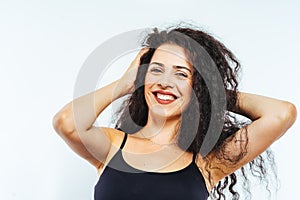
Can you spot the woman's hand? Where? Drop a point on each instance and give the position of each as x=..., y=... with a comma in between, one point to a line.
x=126, y=82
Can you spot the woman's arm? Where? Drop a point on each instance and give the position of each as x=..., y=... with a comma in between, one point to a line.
x=74, y=122
x=268, y=112
x=271, y=118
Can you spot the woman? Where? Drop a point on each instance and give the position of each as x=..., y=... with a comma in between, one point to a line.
x=175, y=138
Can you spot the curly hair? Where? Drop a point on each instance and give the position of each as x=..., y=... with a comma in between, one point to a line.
x=210, y=60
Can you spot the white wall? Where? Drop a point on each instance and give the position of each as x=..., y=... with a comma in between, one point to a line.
x=44, y=43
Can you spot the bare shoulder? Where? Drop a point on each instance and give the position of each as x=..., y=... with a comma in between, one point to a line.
x=202, y=165
x=116, y=136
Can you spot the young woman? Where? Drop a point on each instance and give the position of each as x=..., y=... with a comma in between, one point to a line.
x=178, y=134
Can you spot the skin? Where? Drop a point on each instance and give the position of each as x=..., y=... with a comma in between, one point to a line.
x=170, y=74
x=271, y=119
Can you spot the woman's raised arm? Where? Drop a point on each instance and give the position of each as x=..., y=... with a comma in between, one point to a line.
x=271, y=118
x=74, y=122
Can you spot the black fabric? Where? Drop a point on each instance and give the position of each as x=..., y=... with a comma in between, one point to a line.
x=124, y=141
x=127, y=182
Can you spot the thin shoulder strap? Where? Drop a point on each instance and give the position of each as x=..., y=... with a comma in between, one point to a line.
x=124, y=141
x=194, y=157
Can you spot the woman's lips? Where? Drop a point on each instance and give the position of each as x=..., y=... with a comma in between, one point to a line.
x=163, y=97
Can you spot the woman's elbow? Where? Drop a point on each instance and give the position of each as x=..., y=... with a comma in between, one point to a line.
x=289, y=114
x=63, y=123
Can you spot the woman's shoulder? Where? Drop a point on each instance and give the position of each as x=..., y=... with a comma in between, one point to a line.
x=115, y=136
x=202, y=166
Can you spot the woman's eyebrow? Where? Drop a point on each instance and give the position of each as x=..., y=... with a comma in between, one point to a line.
x=175, y=66
x=182, y=67
x=157, y=63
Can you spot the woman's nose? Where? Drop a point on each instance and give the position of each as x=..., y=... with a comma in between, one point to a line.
x=165, y=86
x=165, y=82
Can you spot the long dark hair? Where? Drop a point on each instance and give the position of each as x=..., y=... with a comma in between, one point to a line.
x=211, y=61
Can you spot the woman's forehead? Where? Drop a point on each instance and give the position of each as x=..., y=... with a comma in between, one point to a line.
x=172, y=53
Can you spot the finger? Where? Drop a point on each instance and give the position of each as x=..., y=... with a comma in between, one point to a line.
x=142, y=52
x=136, y=60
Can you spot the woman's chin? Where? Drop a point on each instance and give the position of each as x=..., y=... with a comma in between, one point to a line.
x=163, y=112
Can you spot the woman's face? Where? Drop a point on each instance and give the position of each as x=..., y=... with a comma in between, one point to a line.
x=168, y=81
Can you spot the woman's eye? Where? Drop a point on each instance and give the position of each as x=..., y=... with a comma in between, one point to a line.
x=181, y=74
x=156, y=70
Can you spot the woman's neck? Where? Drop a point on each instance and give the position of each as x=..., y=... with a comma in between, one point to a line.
x=161, y=130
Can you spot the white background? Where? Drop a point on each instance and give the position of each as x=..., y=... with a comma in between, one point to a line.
x=44, y=43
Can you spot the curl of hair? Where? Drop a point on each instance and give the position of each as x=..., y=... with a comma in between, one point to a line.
x=134, y=111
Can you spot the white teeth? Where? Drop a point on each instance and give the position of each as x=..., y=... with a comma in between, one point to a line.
x=165, y=97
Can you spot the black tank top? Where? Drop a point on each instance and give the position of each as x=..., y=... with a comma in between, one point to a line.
x=133, y=184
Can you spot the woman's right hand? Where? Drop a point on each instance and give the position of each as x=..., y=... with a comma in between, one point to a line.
x=126, y=82
x=75, y=121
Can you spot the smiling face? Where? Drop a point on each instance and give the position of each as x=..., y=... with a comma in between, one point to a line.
x=168, y=81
